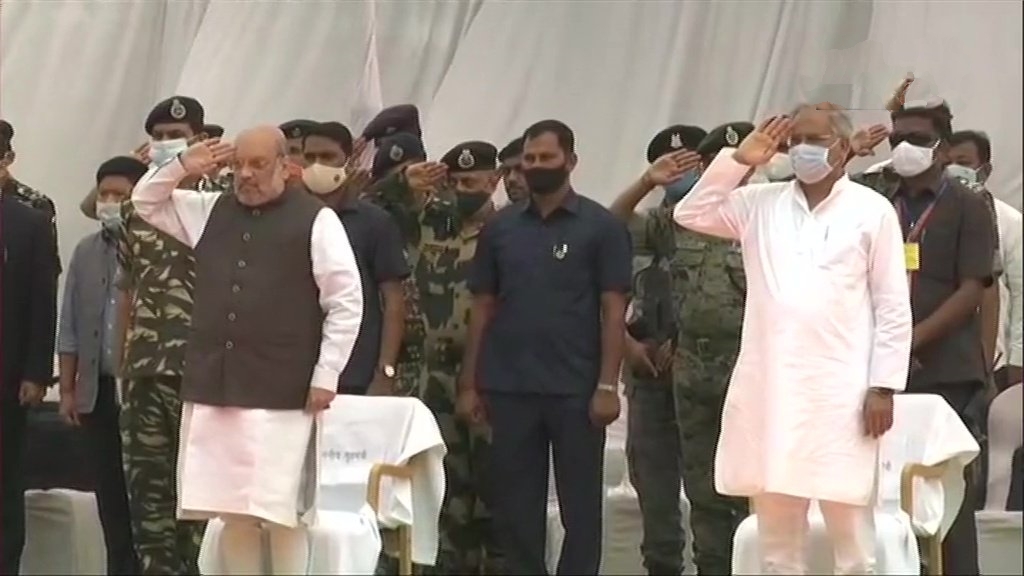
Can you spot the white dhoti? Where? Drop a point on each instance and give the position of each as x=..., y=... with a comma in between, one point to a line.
x=250, y=467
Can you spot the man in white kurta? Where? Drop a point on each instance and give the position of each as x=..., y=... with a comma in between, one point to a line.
x=246, y=447
x=826, y=337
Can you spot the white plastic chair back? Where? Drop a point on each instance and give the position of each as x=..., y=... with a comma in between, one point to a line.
x=1005, y=435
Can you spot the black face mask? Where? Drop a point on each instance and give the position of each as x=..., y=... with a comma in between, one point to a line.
x=469, y=203
x=545, y=181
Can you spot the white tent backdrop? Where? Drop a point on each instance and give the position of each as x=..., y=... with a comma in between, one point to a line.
x=77, y=77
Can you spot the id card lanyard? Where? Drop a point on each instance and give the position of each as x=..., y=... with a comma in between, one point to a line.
x=913, y=232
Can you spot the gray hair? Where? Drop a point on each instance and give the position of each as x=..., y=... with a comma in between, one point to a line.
x=838, y=120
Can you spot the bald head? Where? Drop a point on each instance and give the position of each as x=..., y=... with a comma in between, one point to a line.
x=260, y=164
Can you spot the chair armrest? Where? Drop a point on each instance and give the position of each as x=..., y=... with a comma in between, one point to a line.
x=377, y=474
x=907, y=476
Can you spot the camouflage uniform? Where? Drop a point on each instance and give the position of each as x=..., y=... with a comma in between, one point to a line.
x=440, y=250
x=158, y=274
x=653, y=442
x=34, y=199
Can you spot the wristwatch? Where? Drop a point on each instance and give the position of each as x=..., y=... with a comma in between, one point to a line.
x=388, y=370
x=608, y=388
x=882, y=391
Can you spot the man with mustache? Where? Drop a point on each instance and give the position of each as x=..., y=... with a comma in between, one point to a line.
x=511, y=159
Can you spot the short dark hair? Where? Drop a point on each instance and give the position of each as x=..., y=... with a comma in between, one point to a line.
x=938, y=117
x=566, y=139
x=979, y=139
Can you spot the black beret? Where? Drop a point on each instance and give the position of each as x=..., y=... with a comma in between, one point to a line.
x=213, y=130
x=401, y=118
x=730, y=134
x=127, y=166
x=396, y=149
x=511, y=150
x=674, y=138
x=174, y=110
x=470, y=157
x=335, y=131
x=6, y=131
x=296, y=128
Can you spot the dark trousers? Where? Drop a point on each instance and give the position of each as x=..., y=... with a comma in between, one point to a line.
x=524, y=428
x=653, y=448
x=102, y=435
x=12, y=483
x=960, y=548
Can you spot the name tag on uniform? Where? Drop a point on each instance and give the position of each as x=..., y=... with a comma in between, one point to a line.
x=912, y=256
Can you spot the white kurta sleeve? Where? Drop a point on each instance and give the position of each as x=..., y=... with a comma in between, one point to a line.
x=341, y=297
x=715, y=206
x=181, y=213
x=1011, y=229
x=890, y=302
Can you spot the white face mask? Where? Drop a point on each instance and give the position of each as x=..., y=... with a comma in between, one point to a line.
x=810, y=162
x=969, y=176
x=322, y=180
x=909, y=160
x=778, y=168
x=163, y=151
x=108, y=212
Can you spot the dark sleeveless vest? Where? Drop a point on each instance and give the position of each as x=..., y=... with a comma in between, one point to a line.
x=256, y=323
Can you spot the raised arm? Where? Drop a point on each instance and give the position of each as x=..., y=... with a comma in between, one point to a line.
x=341, y=297
x=715, y=206
x=890, y=301
x=181, y=213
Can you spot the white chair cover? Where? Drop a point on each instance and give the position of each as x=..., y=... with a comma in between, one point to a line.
x=62, y=534
x=356, y=433
x=1000, y=533
x=926, y=430
x=1000, y=542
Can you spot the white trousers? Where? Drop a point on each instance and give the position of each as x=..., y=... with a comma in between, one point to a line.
x=242, y=543
x=782, y=528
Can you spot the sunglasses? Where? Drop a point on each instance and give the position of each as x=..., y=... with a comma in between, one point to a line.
x=913, y=138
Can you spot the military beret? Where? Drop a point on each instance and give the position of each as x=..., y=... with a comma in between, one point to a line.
x=334, y=131
x=213, y=130
x=401, y=118
x=396, y=149
x=470, y=157
x=127, y=166
x=6, y=131
x=730, y=134
x=511, y=150
x=674, y=138
x=296, y=128
x=176, y=109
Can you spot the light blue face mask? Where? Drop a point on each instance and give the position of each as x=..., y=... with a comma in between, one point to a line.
x=675, y=191
x=810, y=162
x=163, y=151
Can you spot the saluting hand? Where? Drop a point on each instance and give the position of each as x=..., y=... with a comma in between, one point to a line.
x=671, y=167
x=760, y=146
x=142, y=153
x=204, y=156
x=899, y=97
x=424, y=176
x=865, y=141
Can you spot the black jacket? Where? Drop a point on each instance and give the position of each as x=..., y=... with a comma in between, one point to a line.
x=29, y=294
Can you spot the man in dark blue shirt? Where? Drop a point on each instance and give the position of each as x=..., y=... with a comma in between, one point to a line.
x=550, y=280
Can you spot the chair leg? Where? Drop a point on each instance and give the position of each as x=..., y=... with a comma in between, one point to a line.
x=404, y=551
x=934, y=556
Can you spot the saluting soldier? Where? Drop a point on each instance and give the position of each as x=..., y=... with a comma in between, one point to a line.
x=655, y=419
x=10, y=186
x=158, y=277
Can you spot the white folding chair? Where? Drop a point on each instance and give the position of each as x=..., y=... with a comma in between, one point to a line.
x=373, y=450
x=920, y=489
x=1000, y=532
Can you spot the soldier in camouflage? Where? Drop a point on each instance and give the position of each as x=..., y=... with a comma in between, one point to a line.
x=11, y=187
x=653, y=444
x=158, y=276
x=449, y=213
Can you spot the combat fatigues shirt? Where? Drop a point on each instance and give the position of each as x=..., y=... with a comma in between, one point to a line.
x=158, y=275
x=37, y=200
